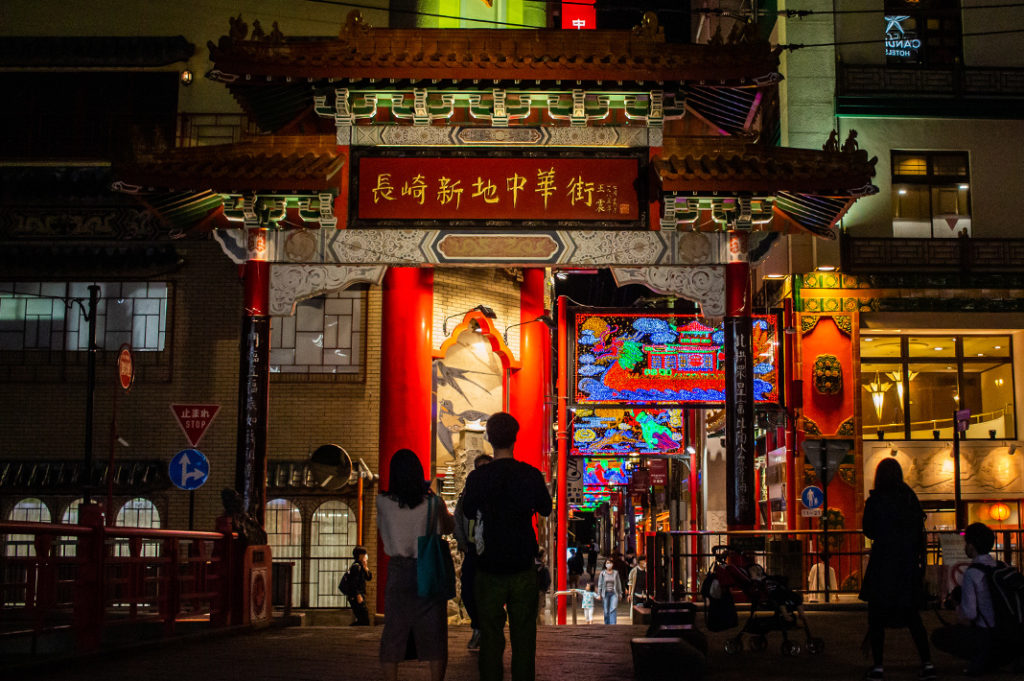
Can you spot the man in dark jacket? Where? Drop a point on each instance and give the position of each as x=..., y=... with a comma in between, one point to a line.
x=359, y=575
x=507, y=493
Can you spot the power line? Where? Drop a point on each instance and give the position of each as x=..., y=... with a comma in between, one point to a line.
x=797, y=46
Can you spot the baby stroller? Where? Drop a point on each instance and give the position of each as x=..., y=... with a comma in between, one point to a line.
x=734, y=571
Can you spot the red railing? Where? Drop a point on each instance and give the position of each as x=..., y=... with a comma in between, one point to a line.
x=91, y=579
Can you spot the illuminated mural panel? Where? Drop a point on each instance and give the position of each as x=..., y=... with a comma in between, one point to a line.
x=636, y=358
x=603, y=473
x=618, y=431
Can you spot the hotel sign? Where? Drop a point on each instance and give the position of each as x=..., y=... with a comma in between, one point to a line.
x=901, y=44
x=592, y=192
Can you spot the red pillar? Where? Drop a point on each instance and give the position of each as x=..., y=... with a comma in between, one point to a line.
x=739, y=386
x=563, y=461
x=794, y=401
x=527, y=386
x=405, y=366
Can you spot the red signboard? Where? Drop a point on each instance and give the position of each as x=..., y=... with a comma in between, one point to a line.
x=659, y=471
x=194, y=419
x=125, y=367
x=579, y=14
x=479, y=189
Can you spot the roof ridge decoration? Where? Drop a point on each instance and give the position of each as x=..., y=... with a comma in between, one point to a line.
x=365, y=53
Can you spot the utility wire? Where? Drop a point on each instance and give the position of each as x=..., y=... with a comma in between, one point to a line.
x=797, y=46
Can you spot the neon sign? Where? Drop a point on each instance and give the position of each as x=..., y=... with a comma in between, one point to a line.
x=618, y=431
x=601, y=473
x=637, y=359
x=899, y=42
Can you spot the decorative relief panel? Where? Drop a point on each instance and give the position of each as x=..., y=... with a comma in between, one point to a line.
x=412, y=247
x=290, y=284
x=436, y=136
x=704, y=284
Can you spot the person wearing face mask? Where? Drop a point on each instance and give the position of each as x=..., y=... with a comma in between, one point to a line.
x=609, y=590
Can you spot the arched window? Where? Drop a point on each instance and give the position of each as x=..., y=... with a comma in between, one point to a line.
x=284, y=535
x=27, y=510
x=68, y=545
x=333, y=536
x=138, y=512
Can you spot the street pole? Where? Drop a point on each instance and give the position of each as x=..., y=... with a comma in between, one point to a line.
x=90, y=382
x=958, y=502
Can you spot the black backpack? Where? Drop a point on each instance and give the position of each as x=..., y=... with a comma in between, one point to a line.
x=347, y=584
x=1006, y=585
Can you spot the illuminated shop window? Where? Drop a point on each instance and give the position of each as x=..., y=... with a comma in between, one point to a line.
x=931, y=194
x=325, y=335
x=912, y=384
x=332, y=538
x=41, y=316
x=284, y=536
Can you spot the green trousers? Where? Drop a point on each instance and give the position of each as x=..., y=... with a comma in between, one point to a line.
x=515, y=594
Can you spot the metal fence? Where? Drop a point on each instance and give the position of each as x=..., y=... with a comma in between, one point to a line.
x=678, y=561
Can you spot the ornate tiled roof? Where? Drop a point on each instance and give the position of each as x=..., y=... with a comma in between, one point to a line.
x=492, y=55
x=278, y=163
x=727, y=164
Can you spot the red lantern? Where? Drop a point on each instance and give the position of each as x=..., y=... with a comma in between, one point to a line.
x=999, y=511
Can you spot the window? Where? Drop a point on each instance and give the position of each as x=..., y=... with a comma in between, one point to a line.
x=931, y=194
x=325, y=335
x=912, y=384
x=138, y=512
x=52, y=315
x=27, y=510
x=923, y=32
x=333, y=536
x=284, y=535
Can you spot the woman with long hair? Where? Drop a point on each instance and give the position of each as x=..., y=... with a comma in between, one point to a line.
x=893, y=582
x=402, y=517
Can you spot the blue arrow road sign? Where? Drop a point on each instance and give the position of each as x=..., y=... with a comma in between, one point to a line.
x=812, y=497
x=189, y=469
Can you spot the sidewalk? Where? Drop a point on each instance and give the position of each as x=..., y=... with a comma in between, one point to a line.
x=587, y=653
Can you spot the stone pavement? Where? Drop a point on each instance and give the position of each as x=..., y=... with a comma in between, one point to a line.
x=588, y=653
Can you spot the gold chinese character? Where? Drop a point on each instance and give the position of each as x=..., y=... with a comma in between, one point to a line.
x=515, y=184
x=546, y=184
x=416, y=188
x=448, y=190
x=580, y=191
x=383, y=190
x=486, y=189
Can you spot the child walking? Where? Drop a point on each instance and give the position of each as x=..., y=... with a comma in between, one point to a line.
x=588, y=601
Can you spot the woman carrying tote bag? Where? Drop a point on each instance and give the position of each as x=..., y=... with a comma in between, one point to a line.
x=402, y=514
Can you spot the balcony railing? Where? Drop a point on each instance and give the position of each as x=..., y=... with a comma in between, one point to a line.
x=950, y=91
x=862, y=255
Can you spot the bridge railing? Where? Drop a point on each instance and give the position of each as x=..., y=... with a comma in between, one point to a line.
x=91, y=580
x=678, y=561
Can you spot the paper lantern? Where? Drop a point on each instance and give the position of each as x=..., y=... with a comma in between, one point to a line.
x=999, y=511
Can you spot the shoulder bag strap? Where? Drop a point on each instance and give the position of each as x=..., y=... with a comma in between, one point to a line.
x=431, y=526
